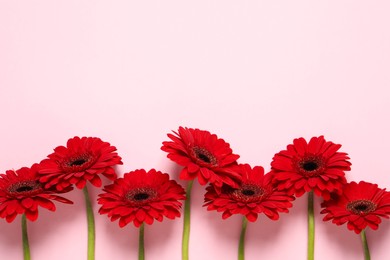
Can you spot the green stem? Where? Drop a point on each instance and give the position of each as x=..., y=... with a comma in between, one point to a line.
x=186, y=222
x=26, y=246
x=141, y=242
x=310, y=209
x=91, y=225
x=241, y=245
x=365, y=245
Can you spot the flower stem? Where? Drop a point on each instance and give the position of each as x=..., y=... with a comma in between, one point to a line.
x=186, y=222
x=241, y=245
x=26, y=246
x=310, y=221
x=365, y=245
x=141, y=242
x=91, y=225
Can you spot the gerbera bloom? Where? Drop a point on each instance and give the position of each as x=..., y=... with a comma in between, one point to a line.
x=310, y=166
x=361, y=205
x=22, y=193
x=83, y=159
x=203, y=155
x=140, y=197
x=255, y=195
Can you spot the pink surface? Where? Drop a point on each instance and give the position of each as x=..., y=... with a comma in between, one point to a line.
x=257, y=73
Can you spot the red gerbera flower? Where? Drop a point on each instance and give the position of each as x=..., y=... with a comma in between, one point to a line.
x=204, y=156
x=83, y=159
x=360, y=205
x=22, y=193
x=311, y=166
x=255, y=195
x=141, y=196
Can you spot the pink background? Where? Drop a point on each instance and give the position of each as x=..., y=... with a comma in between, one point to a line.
x=257, y=73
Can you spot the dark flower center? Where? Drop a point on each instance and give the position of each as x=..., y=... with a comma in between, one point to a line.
x=204, y=156
x=311, y=166
x=139, y=196
x=361, y=207
x=78, y=162
x=24, y=187
x=248, y=192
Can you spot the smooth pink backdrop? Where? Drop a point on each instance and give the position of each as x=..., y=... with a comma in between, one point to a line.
x=257, y=73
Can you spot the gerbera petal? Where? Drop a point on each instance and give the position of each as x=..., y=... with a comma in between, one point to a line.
x=300, y=145
x=96, y=181
x=10, y=217
x=27, y=202
x=31, y=214
x=251, y=216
